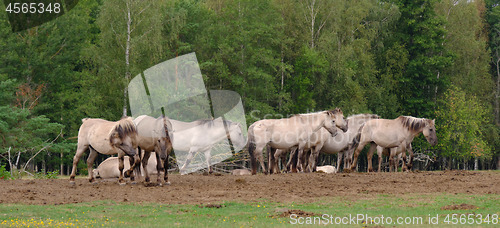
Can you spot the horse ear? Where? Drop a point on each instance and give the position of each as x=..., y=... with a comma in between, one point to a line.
x=434, y=121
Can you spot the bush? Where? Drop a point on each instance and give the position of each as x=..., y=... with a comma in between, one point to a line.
x=4, y=174
x=48, y=175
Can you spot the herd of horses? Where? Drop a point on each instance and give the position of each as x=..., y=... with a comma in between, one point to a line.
x=303, y=136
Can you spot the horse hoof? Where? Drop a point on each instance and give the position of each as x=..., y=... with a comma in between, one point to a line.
x=72, y=183
x=122, y=183
x=167, y=183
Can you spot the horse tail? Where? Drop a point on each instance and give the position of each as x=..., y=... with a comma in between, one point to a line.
x=357, y=138
x=251, y=150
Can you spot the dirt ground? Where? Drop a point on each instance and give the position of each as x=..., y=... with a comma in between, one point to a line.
x=297, y=187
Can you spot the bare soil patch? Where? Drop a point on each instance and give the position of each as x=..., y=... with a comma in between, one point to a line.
x=296, y=187
x=462, y=206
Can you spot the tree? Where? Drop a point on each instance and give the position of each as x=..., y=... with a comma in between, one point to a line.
x=21, y=132
x=461, y=118
x=422, y=33
x=129, y=42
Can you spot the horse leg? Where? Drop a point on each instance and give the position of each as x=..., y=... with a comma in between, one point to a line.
x=277, y=158
x=208, y=157
x=356, y=154
x=258, y=153
x=339, y=160
x=369, y=156
x=188, y=160
x=348, y=157
x=410, y=162
x=134, y=162
x=270, y=159
x=380, y=151
x=79, y=152
x=120, y=167
x=392, y=164
x=292, y=161
x=314, y=156
x=300, y=160
x=90, y=163
x=403, y=151
x=144, y=162
x=165, y=167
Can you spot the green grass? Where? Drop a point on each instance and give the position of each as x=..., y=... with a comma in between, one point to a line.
x=255, y=214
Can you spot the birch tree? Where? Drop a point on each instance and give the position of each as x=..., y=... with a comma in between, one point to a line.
x=130, y=42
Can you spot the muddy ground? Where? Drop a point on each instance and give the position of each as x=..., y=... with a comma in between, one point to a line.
x=297, y=187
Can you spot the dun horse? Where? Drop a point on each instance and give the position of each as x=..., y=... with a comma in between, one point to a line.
x=340, y=143
x=392, y=134
x=290, y=132
x=153, y=134
x=106, y=137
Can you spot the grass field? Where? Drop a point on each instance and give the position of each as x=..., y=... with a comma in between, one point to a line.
x=469, y=210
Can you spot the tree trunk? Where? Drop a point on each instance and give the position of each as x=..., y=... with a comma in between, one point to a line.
x=127, y=62
x=61, y=166
x=497, y=95
x=476, y=163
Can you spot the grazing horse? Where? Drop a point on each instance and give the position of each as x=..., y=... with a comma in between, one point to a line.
x=202, y=135
x=290, y=132
x=153, y=134
x=392, y=134
x=106, y=137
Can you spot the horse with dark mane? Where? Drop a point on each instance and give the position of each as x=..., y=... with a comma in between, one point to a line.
x=392, y=134
x=106, y=137
x=154, y=135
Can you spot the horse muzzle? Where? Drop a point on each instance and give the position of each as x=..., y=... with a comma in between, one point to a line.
x=128, y=150
x=344, y=129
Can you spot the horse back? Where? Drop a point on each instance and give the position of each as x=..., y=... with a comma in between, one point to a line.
x=96, y=133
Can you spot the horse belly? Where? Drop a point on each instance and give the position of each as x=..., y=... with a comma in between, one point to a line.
x=146, y=143
x=387, y=140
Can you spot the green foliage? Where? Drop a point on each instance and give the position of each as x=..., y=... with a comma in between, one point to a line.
x=46, y=175
x=422, y=33
x=4, y=174
x=460, y=126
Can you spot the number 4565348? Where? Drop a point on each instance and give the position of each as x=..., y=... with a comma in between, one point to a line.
x=33, y=7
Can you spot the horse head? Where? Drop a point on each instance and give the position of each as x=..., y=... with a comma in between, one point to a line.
x=337, y=119
x=236, y=135
x=123, y=136
x=429, y=132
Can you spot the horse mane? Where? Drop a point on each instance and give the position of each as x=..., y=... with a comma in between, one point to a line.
x=124, y=128
x=364, y=116
x=412, y=123
x=335, y=111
